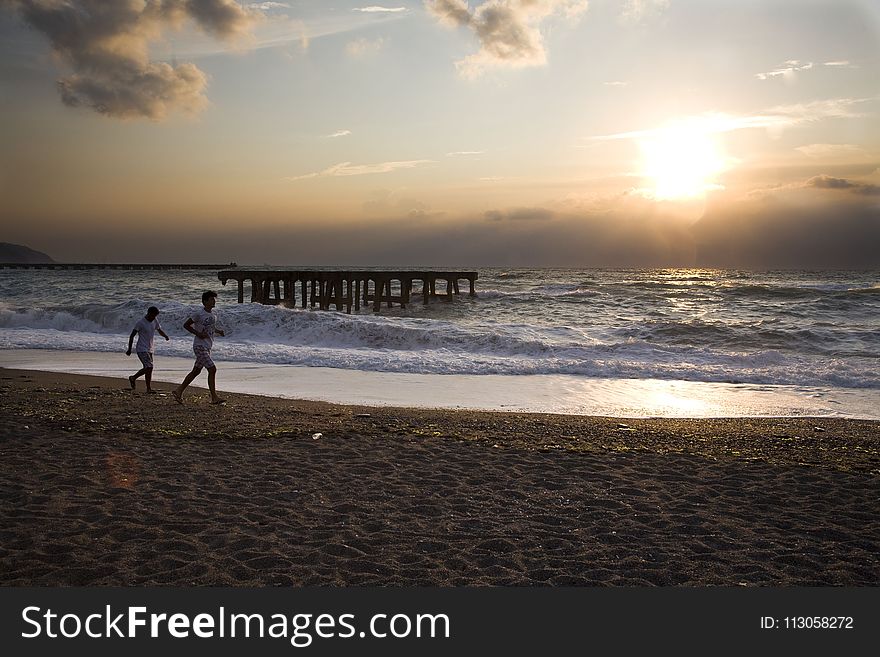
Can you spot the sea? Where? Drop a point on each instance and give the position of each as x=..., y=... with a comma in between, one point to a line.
x=592, y=341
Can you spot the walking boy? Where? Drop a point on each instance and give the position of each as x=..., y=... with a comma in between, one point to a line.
x=203, y=325
x=146, y=329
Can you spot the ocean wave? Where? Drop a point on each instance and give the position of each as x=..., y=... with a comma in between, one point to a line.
x=761, y=291
x=310, y=328
x=632, y=360
x=774, y=328
x=862, y=290
x=764, y=334
x=296, y=327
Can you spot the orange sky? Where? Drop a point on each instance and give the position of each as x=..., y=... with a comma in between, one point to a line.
x=614, y=134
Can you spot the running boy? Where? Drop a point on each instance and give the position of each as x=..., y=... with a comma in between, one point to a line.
x=203, y=325
x=146, y=329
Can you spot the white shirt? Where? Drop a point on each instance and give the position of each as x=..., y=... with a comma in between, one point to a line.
x=204, y=322
x=146, y=331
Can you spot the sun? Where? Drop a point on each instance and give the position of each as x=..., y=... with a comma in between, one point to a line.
x=682, y=160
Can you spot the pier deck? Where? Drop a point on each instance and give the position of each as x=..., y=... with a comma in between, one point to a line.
x=345, y=289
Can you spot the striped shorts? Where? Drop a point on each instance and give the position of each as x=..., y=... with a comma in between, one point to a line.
x=203, y=357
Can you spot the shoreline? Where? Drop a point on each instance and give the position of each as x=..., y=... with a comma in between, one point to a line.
x=102, y=486
x=537, y=393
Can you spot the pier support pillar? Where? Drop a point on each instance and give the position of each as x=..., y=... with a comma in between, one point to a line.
x=377, y=296
x=404, y=292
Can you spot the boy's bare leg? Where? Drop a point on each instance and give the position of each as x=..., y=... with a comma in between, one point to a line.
x=142, y=371
x=177, y=393
x=212, y=385
x=148, y=377
x=212, y=378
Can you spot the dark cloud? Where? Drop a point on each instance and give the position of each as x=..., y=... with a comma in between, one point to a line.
x=827, y=182
x=222, y=18
x=784, y=232
x=519, y=214
x=106, y=45
x=136, y=92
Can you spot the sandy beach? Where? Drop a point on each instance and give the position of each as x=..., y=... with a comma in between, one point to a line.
x=102, y=486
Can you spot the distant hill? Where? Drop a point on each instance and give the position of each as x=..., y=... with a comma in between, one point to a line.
x=21, y=254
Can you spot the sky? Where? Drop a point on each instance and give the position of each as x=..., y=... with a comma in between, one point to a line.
x=508, y=133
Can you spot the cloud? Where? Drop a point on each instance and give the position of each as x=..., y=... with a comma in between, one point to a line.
x=363, y=47
x=827, y=182
x=794, y=229
x=788, y=69
x=830, y=150
x=508, y=30
x=387, y=203
x=454, y=13
x=519, y=214
x=106, y=45
x=615, y=83
x=339, y=133
x=464, y=153
x=268, y=6
x=821, y=187
x=374, y=9
x=349, y=169
x=131, y=92
x=833, y=108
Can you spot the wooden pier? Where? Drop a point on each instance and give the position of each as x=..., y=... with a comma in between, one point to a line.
x=346, y=289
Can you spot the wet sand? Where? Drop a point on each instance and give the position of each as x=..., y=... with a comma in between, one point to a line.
x=103, y=486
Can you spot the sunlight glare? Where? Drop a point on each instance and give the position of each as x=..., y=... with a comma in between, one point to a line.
x=682, y=160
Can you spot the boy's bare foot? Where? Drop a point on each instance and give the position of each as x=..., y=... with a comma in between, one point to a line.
x=218, y=401
x=150, y=391
x=131, y=381
x=177, y=396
